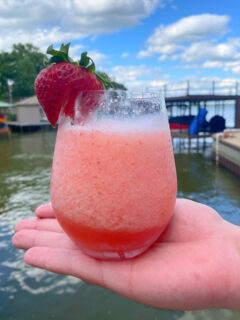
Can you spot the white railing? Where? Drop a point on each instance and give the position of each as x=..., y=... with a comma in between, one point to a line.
x=195, y=87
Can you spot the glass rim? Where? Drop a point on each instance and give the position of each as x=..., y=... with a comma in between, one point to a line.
x=132, y=91
x=138, y=95
x=115, y=104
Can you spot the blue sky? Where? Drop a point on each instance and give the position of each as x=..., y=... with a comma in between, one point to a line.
x=141, y=43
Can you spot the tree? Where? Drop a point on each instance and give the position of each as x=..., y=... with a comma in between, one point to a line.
x=5, y=72
x=21, y=66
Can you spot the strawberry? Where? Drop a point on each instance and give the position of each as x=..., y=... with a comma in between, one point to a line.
x=59, y=86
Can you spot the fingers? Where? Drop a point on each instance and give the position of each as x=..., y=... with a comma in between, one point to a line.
x=116, y=276
x=27, y=238
x=65, y=261
x=45, y=211
x=39, y=224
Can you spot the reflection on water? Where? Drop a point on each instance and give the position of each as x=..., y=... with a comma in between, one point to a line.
x=201, y=180
x=210, y=315
x=25, y=164
x=36, y=281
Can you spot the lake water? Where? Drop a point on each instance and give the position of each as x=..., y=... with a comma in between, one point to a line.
x=28, y=293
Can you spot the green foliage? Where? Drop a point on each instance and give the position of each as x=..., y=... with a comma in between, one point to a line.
x=24, y=62
x=21, y=65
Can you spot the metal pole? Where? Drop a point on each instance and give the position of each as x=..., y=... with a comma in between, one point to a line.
x=165, y=90
x=10, y=83
x=217, y=147
x=188, y=88
x=213, y=87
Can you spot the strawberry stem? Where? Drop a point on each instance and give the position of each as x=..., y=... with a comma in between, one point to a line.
x=59, y=55
x=86, y=62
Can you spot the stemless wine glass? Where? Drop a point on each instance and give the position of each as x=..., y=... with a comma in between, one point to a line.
x=113, y=182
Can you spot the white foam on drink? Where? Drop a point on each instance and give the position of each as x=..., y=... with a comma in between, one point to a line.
x=151, y=122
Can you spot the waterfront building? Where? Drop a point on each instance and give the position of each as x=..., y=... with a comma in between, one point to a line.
x=27, y=115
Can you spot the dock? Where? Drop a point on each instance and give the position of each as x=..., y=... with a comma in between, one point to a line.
x=226, y=150
x=202, y=94
x=24, y=116
x=184, y=99
x=186, y=139
x=29, y=127
x=203, y=100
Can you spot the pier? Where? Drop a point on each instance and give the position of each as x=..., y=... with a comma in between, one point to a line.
x=201, y=93
x=202, y=100
x=189, y=95
x=26, y=116
x=226, y=150
x=185, y=96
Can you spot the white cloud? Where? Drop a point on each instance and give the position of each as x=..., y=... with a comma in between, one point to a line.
x=131, y=73
x=212, y=64
x=125, y=55
x=205, y=85
x=234, y=67
x=199, y=85
x=219, y=52
x=215, y=55
x=106, y=16
x=195, y=42
x=168, y=39
x=137, y=76
x=42, y=22
x=157, y=84
x=74, y=51
x=99, y=58
x=40, y=38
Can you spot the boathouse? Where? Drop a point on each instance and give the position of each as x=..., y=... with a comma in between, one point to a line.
x=27, y=115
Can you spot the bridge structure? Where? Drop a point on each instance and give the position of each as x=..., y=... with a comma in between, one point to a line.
x=201, y=93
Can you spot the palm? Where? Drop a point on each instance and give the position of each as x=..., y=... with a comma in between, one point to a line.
x=187, y=268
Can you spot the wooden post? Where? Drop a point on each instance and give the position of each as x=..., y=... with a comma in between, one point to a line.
x=190, y=108
x=237, y=112
x=204, y=141
x=197, y=142
x=189, y=143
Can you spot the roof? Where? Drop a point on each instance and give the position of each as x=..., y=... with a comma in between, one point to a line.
x=31, y=101
x=4, y=104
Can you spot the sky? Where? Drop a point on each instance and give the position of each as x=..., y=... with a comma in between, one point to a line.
x=140, y=43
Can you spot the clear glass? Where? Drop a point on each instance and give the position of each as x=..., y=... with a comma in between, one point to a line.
x=113, y=182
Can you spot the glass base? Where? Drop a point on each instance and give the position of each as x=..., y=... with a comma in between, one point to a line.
x=115, y=255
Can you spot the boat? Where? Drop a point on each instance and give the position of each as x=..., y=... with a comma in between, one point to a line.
x=4, y=129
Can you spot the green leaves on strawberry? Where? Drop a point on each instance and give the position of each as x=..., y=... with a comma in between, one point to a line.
x=60, y=83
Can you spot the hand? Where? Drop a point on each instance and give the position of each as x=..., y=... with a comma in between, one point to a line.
x=194, y=265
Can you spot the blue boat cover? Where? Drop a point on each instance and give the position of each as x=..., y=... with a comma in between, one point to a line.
x=198, y=121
